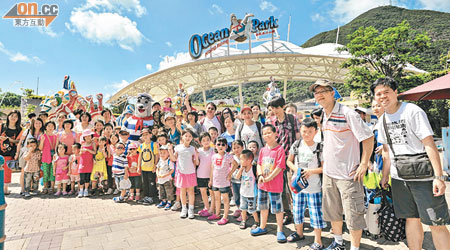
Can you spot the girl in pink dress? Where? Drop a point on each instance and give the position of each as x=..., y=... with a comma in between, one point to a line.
x=61, y=169
x=88, y=150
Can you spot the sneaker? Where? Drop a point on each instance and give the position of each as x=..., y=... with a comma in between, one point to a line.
x=258, y=231
x=137, y=198
x=22, y=193
x=100, y=192
x=71, y=192
x=183, y=213
x=57, y=193
x=80, y=194
x=315, y=246
x=204, y=213
x=118, y=199
x=131, y=198
x=191, y=214
x=142, y=201
x=176, y=206
x=149, y=201
x=110, y=191
x=213, y=217
x=26, y=194
x=237, y=213
x=116, y=191
x=222, y=221
x=45, y=191
x=232, y=202
x=161, y=204
x=64, y=193
x=86, y=193
x=336, y=246
x=168, y=206
x=281, y=237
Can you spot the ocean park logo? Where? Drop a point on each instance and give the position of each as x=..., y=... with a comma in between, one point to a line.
x=239, y=31
x=30, y=15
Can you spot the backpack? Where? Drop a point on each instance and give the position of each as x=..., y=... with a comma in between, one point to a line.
x=258, y=126
x=291, y=120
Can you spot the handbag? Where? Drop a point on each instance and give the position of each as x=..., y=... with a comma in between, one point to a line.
x=410, y=166
x=392, y=228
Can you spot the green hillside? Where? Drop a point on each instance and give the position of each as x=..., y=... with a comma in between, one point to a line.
x=435, y=24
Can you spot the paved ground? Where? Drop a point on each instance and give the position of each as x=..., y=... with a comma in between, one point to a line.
x=45, y=222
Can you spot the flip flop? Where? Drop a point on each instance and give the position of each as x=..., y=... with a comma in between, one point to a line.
x=294, y=237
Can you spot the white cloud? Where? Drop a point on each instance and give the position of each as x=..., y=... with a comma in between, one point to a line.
x=170, y=61
x=346, y=10
x=217, y=8
x=317, y=18
x=47, y=31
x=108, y=28
x=439, y=5
x=149, y=67
x=120, y=85
x=169, y=44
x=117, y=6
x=19, y=57
x=266, y=5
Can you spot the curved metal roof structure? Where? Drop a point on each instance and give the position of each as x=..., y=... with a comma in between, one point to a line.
x=230, y=66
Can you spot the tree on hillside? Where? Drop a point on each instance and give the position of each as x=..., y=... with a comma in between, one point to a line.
x=380, y=54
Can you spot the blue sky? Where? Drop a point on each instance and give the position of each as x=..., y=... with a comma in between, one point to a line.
x=105, y=44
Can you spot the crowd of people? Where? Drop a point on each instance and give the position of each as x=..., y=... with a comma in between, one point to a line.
x=275, y=162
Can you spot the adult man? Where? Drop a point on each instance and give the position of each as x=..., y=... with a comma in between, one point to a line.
x=343, y=169
x=288, y=132
x=417, y=200
x=211, y=120
x=107, y=115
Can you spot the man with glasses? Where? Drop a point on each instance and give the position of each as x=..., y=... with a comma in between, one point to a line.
x=343, y=169
x=210, y=120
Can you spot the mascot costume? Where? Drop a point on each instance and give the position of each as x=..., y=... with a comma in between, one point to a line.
x=142, y=117
x=272, y=92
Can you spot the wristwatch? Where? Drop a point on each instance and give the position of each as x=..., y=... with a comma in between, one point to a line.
x=441, y=178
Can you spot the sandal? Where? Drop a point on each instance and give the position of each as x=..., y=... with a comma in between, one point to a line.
x=294, y=237
x=45, y=191
x=243, y=225
x=222, y=221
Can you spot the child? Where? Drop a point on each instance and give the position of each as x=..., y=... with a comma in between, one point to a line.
x=47, y=146
x=74, y=161
x=31, y=170
x=205, y=154
x=248, y=189
x=186, y=157
x=134, y=172
x=254, y=147
x=120, y=162
x=237, y=147
x=303, y=155
x=112, y=149
x=214, y=133
x=148, y=158
x=124, y=135
x=174, y=129
x=164, y=170
x=88, y=150
x=99, y=172
x=220, y=179
x=61, y=169
x=271, y=164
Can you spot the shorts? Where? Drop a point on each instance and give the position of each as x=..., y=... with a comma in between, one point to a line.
x=270, y=200
x=136, y=182
x=202, y=182
x=343, y=197
x=75, y=178
x=85, y=178
x=314, y=202
x=222, y=190
x=415, y=199
x=248, y=204
x=166, y=191
x=62, y=181
x=117, y=180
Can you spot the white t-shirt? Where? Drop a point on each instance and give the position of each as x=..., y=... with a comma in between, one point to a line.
x=407, y=128
x=164, y=167
x=249, y=133
x=208, y=123
x=307, y=159
x=247, y=184
x=184, y=162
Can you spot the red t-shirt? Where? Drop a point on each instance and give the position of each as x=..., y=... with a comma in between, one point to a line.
x=269, y=159
x=132, y=165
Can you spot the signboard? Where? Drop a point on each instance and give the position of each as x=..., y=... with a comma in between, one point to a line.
x=240, y=30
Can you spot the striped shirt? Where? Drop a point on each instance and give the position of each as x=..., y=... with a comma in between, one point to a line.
x=130, y=126
x=120, y=162
x=343, y=130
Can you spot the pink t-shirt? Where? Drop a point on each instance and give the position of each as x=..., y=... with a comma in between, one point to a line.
x=205, y=157
x=61, y=163
x=86, y=160
x=222, y=167
x=68, y=139
x=49, y=144
x=269, y=159
x=75, y=162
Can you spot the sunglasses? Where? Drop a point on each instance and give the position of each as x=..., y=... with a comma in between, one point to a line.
x=132, y=149
x=200, y=114
x=221, y=144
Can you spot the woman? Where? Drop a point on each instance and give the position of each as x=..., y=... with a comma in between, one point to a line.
x=226, y=112
x=60, y=121
x=230, y=132
x=192, y=123
x=107, y=117
x=35, y=131
x=67, y=136
x=85, y=123
x=9, y=139
x=257, y=116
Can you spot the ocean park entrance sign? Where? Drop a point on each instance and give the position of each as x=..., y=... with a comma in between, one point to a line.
x=240, y=30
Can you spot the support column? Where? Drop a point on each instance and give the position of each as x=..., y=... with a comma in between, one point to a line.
x=285, y=89
x=241, y=99
x=204, y=97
